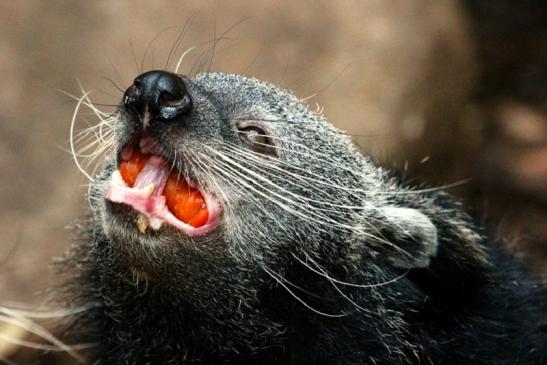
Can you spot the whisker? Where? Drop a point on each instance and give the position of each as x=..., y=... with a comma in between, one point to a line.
x=182, y=57
x=72, y=147
x=301, y=179
x=43, y=347
x=149, y=45
x=115, y=85
x=324, y=273
x=13, y=318
x=135, y=57
x=280, y=280
x=45, y=314
x=179, y=39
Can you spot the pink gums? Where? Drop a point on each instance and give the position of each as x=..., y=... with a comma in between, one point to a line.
x=146, y=197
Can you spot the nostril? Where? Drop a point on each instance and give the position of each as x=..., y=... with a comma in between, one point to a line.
x=170, y=105
x=173, y=98
x=136, y=88
x=132, y=93
x=168, y=99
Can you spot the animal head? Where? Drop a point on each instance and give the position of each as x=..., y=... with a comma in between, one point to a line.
x=223, y=177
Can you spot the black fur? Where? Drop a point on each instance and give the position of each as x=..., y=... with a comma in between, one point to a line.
x=491, y=314
x=465, y=302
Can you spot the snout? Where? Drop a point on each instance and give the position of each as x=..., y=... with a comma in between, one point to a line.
x=158, y=95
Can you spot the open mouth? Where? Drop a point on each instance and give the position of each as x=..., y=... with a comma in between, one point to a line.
x=145, y=181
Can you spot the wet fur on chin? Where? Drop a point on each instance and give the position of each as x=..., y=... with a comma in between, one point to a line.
x=403, y=278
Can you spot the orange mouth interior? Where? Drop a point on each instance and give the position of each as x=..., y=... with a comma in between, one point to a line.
x=185, y=202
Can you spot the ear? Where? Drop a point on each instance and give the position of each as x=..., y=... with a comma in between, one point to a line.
x=413, y=235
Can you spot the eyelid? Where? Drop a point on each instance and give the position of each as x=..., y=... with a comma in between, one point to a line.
x=251, y=123
x=267, y=148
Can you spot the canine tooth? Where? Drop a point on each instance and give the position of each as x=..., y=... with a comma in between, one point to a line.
x=117, y=178
x=142, y=223
x=148, y=190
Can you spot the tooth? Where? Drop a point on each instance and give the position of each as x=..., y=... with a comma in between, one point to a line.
x=117, y=177
x=148, y=190
x=142, y=223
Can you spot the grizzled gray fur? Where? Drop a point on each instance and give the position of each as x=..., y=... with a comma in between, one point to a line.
x=321, y=256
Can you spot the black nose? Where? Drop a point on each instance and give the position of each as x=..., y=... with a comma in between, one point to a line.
x=160, y=93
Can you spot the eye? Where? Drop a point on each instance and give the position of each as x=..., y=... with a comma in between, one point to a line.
x=257, y=138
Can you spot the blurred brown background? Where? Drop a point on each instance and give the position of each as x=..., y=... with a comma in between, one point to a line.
x=443, y=90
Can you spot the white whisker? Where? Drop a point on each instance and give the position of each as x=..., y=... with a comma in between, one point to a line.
x=280, y=280
x=325, y=274
x=182, y=57
x=72, y=148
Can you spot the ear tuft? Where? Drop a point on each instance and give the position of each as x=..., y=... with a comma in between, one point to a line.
x=413, y=234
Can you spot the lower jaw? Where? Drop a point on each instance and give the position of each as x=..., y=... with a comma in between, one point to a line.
x=157, y=256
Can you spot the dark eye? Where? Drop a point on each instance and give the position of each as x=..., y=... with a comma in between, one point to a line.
x=257, y=138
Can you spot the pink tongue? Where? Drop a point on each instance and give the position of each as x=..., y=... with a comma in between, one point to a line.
x=156, y=171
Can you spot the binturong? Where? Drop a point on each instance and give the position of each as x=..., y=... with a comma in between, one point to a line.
x=232, y=225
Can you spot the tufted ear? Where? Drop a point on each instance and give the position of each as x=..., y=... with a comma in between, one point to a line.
x=413, y=235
